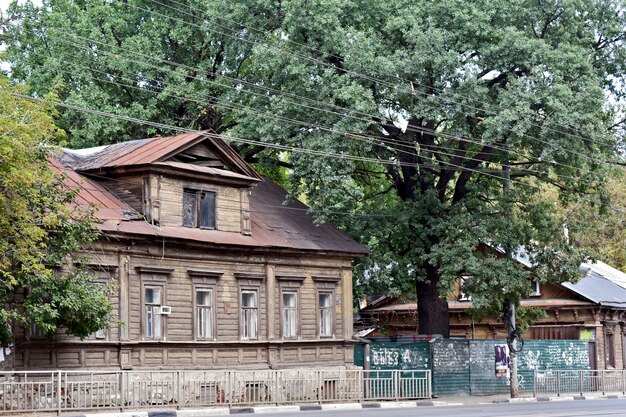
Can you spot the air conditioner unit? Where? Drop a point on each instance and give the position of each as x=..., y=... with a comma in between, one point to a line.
x=166, y=310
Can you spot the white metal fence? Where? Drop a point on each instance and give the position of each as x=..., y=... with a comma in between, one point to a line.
x=575, y=381
x=119, y=390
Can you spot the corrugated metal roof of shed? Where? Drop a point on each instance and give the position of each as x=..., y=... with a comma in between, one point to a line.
x=599, y=289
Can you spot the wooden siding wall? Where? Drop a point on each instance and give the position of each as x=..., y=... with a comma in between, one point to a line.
x=169, y=193
x=126, y=347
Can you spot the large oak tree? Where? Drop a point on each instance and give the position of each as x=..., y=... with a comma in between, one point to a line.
x=452, y=97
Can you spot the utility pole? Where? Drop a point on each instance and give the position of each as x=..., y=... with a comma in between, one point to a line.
x=509, y=305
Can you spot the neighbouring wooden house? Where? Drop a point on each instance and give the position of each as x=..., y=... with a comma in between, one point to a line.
x=592, y=309
x=213, y=268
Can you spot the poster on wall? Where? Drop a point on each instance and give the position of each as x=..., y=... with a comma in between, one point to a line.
x=502, y=360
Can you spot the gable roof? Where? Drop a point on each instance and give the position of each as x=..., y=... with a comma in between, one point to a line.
x=275, y=224
x=155, y=150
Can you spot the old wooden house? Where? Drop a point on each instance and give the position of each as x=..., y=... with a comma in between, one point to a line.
x=213, y=269
x=592, y=309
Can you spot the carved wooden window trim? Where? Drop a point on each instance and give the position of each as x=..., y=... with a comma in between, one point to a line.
x=204, y=280
x=290, y=316
x=153, y=277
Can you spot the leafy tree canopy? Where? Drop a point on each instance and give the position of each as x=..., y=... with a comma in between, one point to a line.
x=443, y=99
x=39, y=231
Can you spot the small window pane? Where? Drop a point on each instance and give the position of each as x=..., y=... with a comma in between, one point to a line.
x=325, y=315
x=249, y=314
x=289, y=315
x=204, y=314
x=289, y=300
x=203, y=298
x=190, y=209
x=324, y=300
x=248, y=299
x=153, y=296
x=207, y=210
x=153, y=312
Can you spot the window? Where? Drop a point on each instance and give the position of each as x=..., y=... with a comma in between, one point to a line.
x=290, y=314
x=36, y=332
x=204, y=314
x=463, y=296
x=325, y=314
x=199, y=209
x=609, y=340
x=535, y=289
x=153, y=322
x=249, y=314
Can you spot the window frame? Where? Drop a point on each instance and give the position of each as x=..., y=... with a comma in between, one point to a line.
x=211, y=308
x=463, y=296
x=144, y=313
x=243, y=328
x=331, y=313
x=284, y=313
x=609, y=349
x=197, y=205
x=535, y=288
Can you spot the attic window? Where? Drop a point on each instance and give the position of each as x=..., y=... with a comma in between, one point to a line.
x=199, y=208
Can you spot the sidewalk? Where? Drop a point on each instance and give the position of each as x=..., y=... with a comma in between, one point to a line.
x=451, y=401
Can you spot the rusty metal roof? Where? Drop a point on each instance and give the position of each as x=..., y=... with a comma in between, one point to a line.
x=154, y=150
x=91, y=193
x=274, y=224
x=134, y=152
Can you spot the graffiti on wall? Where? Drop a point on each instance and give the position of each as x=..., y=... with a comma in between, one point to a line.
x=401, y=357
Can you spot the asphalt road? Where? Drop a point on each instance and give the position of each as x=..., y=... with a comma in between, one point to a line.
x=591, y=408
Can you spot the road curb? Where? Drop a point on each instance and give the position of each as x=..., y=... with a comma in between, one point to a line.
x=267, y=409
x=207, y=412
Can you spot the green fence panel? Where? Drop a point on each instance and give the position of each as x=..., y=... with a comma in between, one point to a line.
x=392, y=356
x=555, y=355
x=464, y=367
x=483, y=379
x=451, y=367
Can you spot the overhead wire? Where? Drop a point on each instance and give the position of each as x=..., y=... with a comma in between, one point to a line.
x=272, y=90
x=286, y=39
x=391, y=141
x=367, y=138
x=227, y=138
x=351, y=72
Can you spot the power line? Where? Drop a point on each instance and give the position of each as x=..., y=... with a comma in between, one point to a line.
x=368, y=139
x=360, y=75
x=272, y=90
x=229, y=138
x=393, y=142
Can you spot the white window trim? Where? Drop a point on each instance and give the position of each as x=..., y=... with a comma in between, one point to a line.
x=296, y=311
x=331, y=310
x=242, y=313
x=535, y=288
x=462, y=295
x=144, y=312
x=212, y=310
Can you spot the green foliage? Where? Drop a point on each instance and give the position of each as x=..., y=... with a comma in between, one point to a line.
x=446, y=92
x=40, y=229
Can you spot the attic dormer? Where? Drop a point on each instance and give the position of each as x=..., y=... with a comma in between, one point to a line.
x=192, y=180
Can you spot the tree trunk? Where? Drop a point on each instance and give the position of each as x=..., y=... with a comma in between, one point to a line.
x=432, y=310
